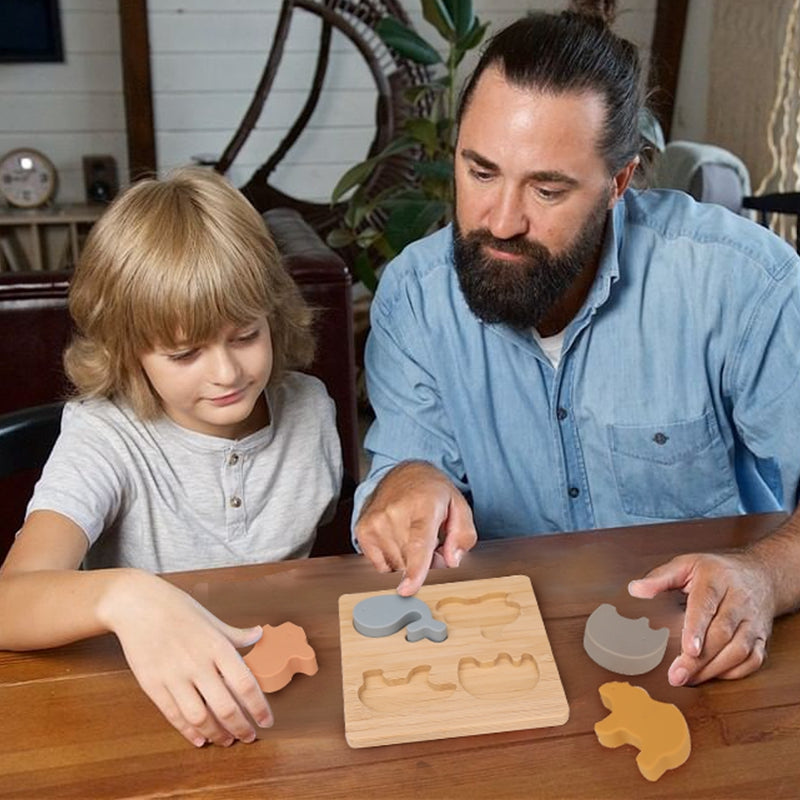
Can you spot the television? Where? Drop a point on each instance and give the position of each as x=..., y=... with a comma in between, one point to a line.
x=30, y=31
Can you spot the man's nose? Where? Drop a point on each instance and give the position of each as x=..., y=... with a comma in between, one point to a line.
x=507, y=217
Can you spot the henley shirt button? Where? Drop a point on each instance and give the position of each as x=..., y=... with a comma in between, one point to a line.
x=233, y=459
x=660, y=438
x=235, y=501
x=561, y=413
x=574, y=491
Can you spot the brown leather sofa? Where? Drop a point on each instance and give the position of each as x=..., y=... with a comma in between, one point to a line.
x=35, y=326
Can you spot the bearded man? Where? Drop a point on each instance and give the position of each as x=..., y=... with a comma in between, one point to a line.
x=574, y=354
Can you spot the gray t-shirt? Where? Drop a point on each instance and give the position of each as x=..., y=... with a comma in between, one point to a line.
x=159, y=497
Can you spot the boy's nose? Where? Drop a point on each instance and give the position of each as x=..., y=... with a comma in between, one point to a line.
x=225, y=368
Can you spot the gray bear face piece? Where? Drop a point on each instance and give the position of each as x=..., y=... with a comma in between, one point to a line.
x=626, y=646
x=386, y=614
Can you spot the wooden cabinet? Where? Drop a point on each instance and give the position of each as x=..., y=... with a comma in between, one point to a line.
x=44, y=238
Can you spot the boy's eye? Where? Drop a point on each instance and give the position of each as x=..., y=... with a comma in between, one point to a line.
x=183, y=355
x=248, y=336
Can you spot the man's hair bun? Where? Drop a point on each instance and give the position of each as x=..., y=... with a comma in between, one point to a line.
x=605, y=10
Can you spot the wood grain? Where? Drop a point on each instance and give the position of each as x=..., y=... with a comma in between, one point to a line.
x=75, y=723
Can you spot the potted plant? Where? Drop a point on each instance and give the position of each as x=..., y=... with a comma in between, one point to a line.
x=381, y=224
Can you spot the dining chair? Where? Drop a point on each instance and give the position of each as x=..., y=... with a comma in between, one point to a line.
x=26, y=439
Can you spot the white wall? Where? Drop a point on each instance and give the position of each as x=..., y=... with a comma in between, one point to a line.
x=202, y=84
x=207, y=56
x=72, y=109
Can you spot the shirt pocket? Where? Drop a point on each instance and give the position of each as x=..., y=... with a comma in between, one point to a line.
x=671, y=471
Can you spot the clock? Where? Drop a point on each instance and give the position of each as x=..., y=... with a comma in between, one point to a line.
x=27, y=178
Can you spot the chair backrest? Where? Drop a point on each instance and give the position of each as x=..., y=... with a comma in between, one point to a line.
x=709, y=173
x=34, y=329
x=26, y=439
x=777, y=203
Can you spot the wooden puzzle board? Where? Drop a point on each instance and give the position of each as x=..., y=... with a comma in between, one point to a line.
x=494, y=672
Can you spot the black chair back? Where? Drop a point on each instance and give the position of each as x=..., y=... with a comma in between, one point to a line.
x=26, y=439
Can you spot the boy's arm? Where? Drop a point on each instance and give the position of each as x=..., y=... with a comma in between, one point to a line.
x=183, y=656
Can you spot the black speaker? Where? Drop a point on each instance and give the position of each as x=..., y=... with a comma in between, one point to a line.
x=100, y=178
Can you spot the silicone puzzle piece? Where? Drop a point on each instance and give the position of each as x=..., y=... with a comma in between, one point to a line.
x=626, y=646
x=279, y=655
x=658, y=729
x=383, y=615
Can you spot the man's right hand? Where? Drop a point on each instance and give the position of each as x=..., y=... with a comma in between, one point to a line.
x=413, y=520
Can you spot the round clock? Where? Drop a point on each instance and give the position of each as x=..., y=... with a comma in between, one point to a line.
x=27, y=178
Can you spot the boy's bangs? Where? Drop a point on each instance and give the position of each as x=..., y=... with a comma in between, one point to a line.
x=193, y=302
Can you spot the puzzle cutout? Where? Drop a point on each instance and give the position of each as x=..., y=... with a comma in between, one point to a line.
x=493, y=672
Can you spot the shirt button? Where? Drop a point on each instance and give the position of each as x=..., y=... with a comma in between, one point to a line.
x=574, y=491
x=235, y=501
x=561, y=413
x=233, y=459
x=660, y=438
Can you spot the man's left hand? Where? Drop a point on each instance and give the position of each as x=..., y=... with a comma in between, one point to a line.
x=730, y=606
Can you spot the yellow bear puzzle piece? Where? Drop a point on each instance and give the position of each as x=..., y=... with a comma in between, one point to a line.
x=658, y=729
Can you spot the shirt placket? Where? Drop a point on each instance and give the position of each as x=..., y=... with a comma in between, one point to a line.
x=574, y=484
x=233, y=484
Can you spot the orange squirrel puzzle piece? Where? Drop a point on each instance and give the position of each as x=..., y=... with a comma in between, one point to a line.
x=279, y=654
x=658, y=729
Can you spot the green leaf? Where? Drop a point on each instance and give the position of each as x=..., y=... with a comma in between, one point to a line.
x=353, y=177
x=440, y=169
x=406, y=42
x=358, y=173
x=463, y=16
x=472, y=39
x=339, y=237
x=411, y=220
x=437, y=13
x=365, y=272
x=424, y=131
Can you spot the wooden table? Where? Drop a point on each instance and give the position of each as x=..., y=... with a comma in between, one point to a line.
x=75, y=724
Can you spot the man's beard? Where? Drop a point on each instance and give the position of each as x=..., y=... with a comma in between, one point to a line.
x=521, y=293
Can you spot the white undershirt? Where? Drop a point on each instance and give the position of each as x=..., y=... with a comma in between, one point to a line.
x=551, y=346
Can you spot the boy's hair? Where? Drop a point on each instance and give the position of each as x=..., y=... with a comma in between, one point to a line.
x=574, y=51
x=171, y=262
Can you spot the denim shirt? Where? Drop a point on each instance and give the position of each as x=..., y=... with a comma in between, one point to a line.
x=677, y=394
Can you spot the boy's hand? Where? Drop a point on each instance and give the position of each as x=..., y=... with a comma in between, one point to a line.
x=185, y=660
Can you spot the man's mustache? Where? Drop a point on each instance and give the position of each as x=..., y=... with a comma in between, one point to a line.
x=516, y=246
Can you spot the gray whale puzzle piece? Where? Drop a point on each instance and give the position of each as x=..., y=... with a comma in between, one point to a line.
x=386, y=614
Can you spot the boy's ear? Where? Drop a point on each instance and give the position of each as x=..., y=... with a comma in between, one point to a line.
x=622, y=180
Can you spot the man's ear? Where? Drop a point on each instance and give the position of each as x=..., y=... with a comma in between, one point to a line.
x=621, y=181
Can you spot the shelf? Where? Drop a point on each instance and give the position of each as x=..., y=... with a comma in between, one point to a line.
x=48, y=238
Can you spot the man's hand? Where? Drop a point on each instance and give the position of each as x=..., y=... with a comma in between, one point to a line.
x=730, y=606
x=415, y=519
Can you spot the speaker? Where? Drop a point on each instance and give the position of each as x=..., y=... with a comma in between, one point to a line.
x=100, y=178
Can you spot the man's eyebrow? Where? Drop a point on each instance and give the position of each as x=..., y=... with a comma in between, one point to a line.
x=545, y=176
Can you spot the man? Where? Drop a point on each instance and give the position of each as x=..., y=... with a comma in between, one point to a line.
x=573, y=355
